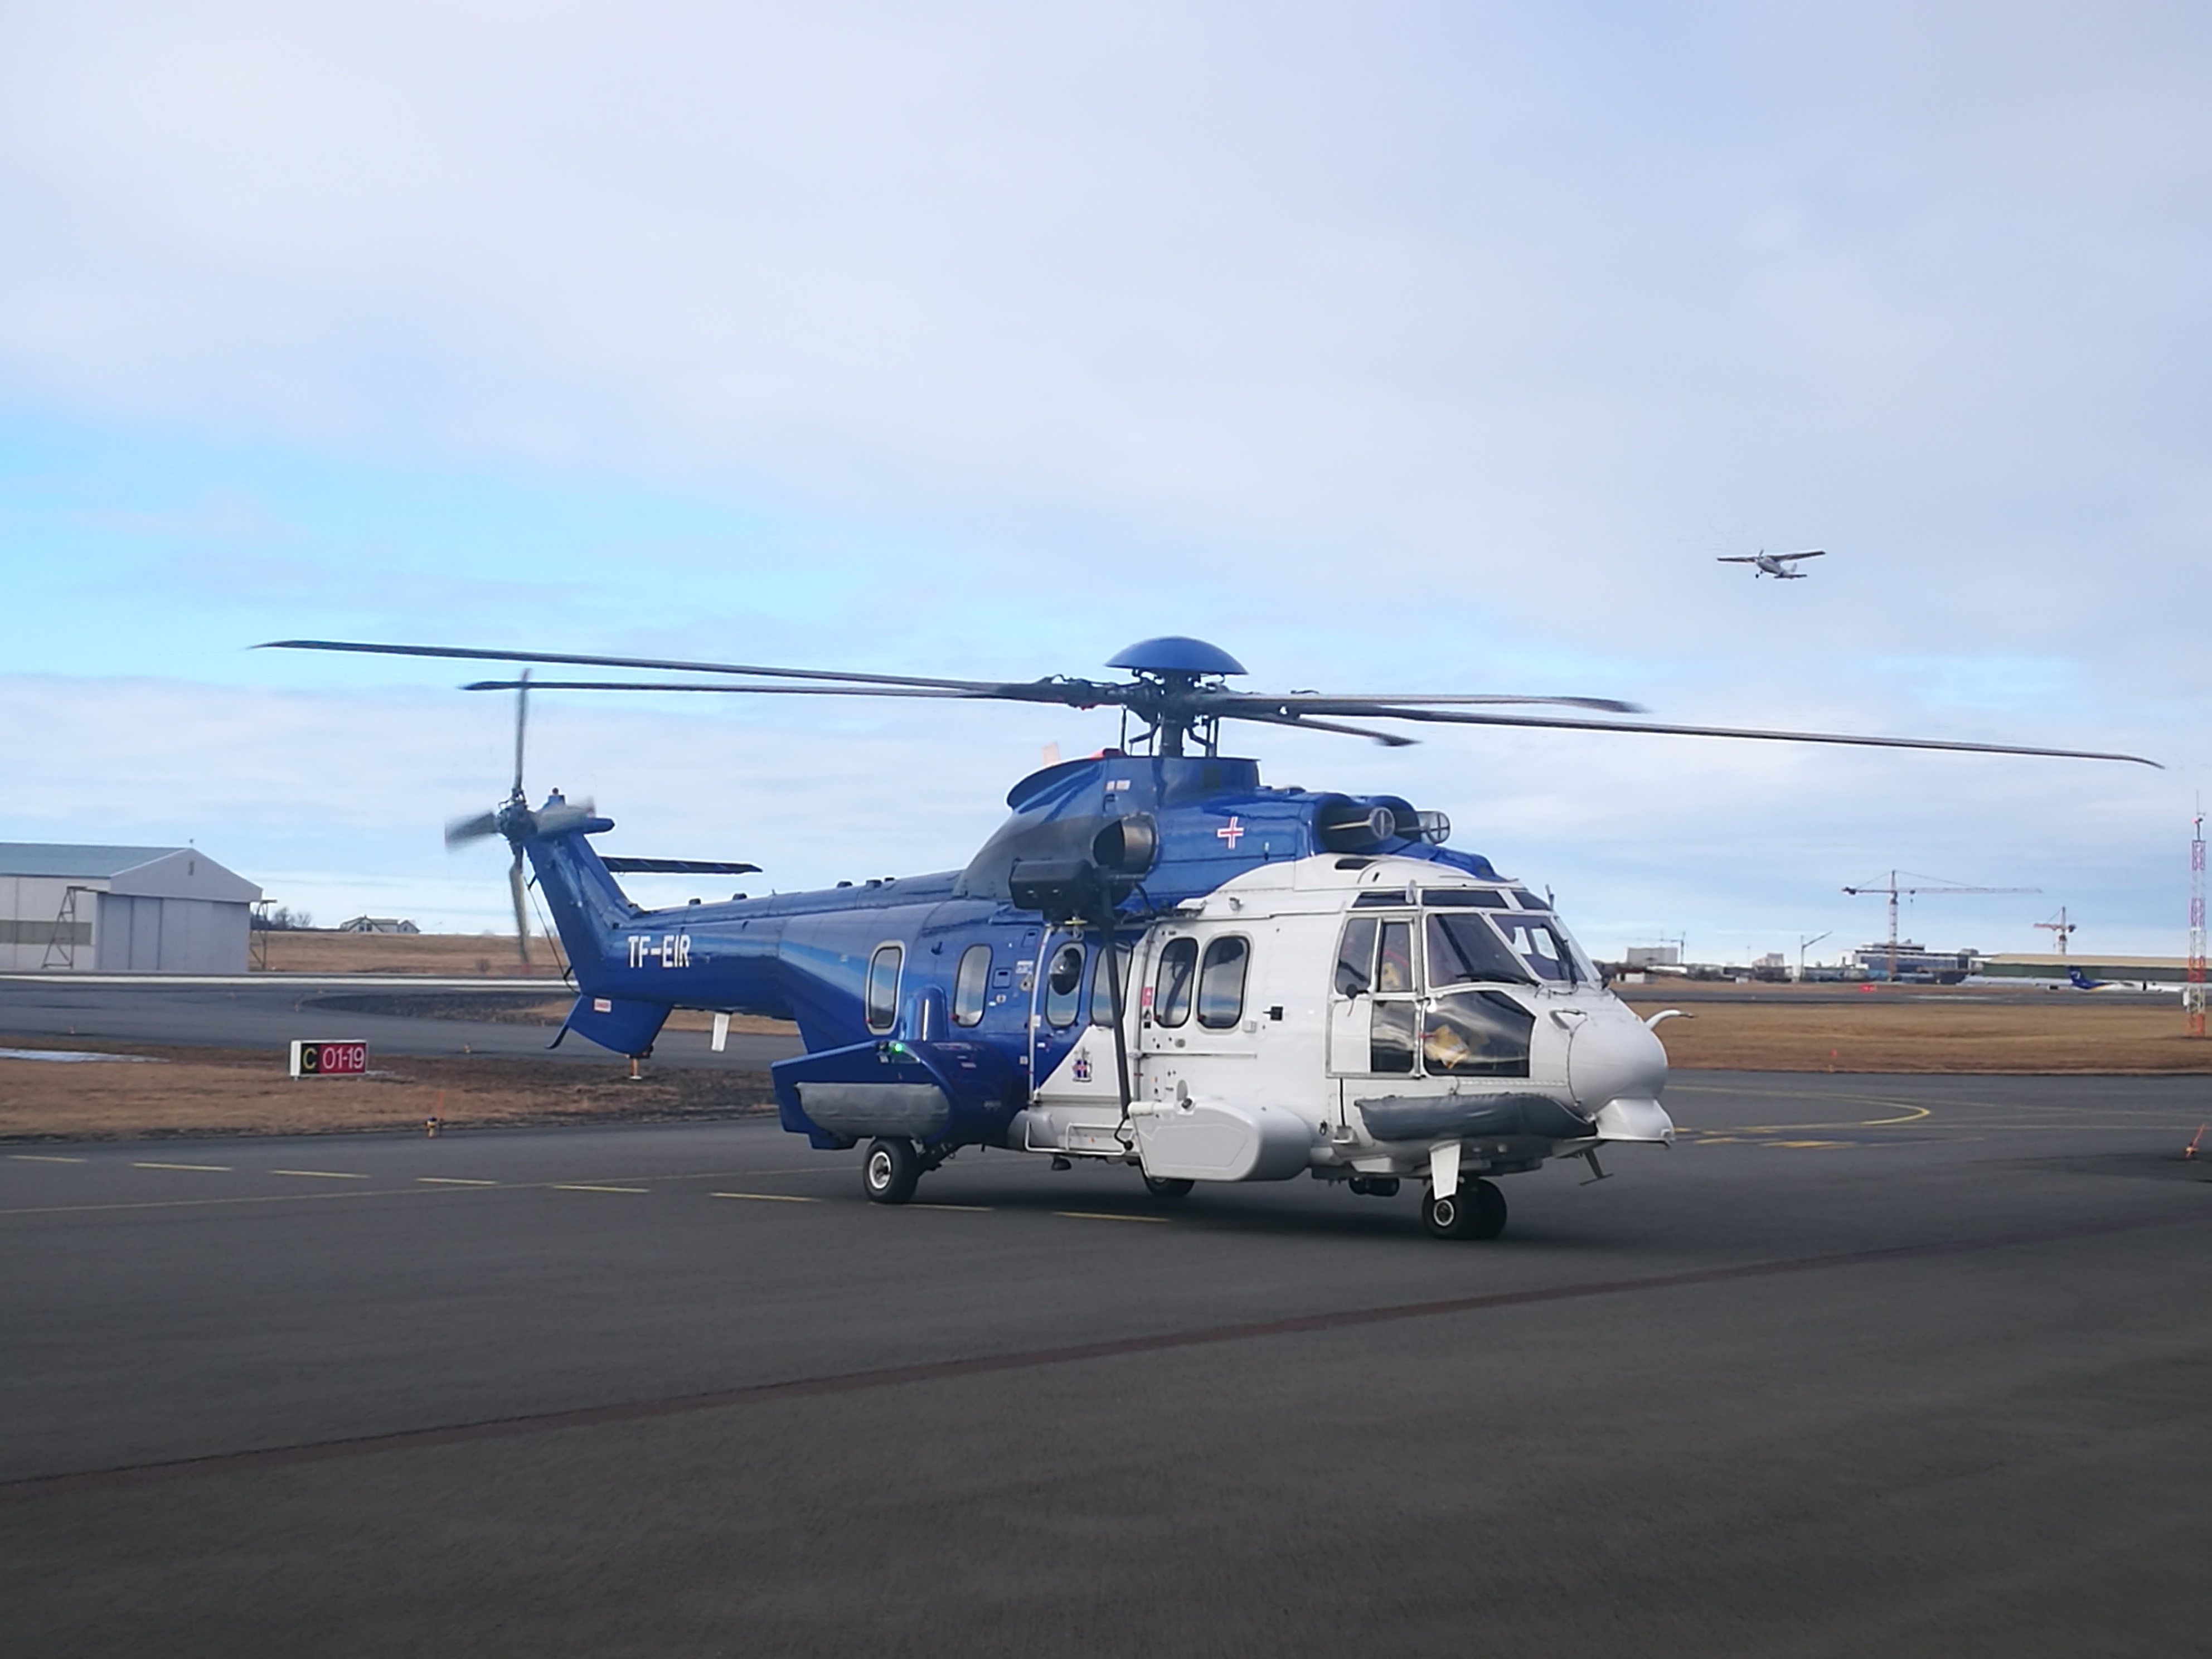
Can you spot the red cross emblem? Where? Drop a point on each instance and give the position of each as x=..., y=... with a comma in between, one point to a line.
x=1231, y=832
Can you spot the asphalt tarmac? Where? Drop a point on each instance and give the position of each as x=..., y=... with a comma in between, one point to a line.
x=1895, y=1365
x=391, y=1013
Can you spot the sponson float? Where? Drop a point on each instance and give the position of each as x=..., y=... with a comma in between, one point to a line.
x=1156, y=961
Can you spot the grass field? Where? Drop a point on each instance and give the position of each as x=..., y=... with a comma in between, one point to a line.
x=2066, y=1032
x=317, y=951
x=199, y=1091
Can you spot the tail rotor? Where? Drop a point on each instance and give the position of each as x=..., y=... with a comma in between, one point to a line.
x=514, y=820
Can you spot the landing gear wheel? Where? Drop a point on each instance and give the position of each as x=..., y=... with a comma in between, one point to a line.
x=1476, y=1210
x=890, y=1170
x=1168, y=1187
x=1446, y=1215
x=1489, y=1205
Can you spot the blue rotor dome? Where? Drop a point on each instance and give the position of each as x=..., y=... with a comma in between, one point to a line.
x=1177, y=654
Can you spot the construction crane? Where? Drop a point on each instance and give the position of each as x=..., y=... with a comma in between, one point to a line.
x=2061, y=927
x=1893, y=889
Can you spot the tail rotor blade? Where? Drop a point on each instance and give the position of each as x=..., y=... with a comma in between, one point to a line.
x=460, y=831
x=514, y=880
x=559, y=819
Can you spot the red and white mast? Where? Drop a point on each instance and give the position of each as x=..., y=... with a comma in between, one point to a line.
x=2192, y=995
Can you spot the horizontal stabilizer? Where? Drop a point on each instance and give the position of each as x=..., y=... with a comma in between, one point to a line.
x=680, y=866
x=622, y=1023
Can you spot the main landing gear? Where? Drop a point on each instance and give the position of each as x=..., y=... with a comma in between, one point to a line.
x=1168, y=1186
x=890, y=1170
x=1477, y=1210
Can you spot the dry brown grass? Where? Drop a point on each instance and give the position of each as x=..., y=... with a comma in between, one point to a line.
x=1965, y=1033
x=492, y=954
x=461, y=956
x=221, y=1091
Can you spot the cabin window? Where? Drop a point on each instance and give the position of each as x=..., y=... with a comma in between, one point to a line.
x=1528, y=901
x=1102, y=985
x=1390, y=1036
x=1221, y=983
x=1355, y=957
x=1063, y=985
x=883, y=987
x=1172, y=990
x=1393, y=962
x=1463, y=950
x=971, y=985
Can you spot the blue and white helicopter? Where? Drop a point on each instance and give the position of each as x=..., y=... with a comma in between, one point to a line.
x=1156, y=961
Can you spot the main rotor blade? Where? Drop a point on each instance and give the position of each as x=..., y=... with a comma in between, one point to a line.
x=1072, y=693
x=1568, y=723
x=1366, y=703
x=1263, y=717
x=692, y=685
x=673, y=664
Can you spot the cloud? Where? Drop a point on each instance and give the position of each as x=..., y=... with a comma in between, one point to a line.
x=1423, y=347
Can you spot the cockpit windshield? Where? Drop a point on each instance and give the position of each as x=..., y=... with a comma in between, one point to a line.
x=1462, y=950
x=1544, y=947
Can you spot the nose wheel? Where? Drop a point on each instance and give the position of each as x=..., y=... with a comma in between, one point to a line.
x=1477, y=1210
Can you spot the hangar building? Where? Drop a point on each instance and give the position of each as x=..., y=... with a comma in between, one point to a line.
x=119, y=909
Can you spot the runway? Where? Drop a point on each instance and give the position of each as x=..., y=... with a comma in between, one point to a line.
x=1906, y=1365
x=268, y=1011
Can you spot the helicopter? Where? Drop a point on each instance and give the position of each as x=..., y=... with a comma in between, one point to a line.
x=1156, y=961
x=1773, y=564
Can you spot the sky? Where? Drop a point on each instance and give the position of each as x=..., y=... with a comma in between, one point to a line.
x=1410, y=347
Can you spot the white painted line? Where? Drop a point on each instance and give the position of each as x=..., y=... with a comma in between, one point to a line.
x=769, y=1198
x=42, y=1157
x=580, y=1186
x=452, y=1181
x=181, y=1166
x=968, y=1209
x=1094, y=1215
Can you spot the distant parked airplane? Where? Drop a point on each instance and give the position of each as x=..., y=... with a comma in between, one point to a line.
x=2081, y=982
x=1774, y=564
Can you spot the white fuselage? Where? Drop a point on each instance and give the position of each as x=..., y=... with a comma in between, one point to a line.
x=1355, y=1017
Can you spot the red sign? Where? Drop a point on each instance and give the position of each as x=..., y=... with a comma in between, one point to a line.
x=316, y=1059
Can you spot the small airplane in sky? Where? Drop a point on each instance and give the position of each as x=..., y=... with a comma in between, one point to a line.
x=1774, y=564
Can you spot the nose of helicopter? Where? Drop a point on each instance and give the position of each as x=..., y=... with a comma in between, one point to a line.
x=1615, y=1055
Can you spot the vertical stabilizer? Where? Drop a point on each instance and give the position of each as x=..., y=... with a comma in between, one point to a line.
x=588, y=905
